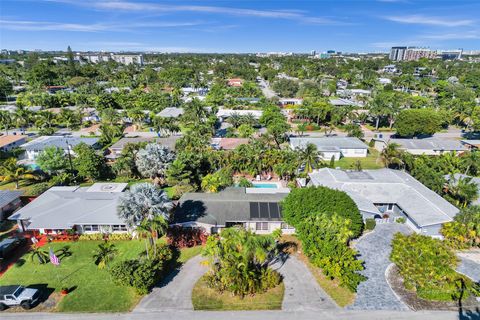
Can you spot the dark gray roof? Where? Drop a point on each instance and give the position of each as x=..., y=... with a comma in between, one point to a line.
x=7, y=196
x=43, y=142
x=167, y=141
x=230, y=205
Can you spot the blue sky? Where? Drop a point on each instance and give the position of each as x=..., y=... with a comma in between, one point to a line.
x=238, y=26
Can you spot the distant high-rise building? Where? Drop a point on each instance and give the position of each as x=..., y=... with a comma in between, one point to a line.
x=313, y=53
x=413, y=54
x=452, y=54
x=397, y=53
x=105, y=57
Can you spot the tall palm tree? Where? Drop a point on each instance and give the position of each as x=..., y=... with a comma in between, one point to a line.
x=6, y=121
x=10, y=171
x=105, y=253
x=462, y=190
x=309, y=157
x=391, y=155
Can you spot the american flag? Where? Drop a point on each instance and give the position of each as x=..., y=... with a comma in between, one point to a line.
x=53, y=258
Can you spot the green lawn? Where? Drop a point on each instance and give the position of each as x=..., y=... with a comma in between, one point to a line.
x=94, y=290
x=370, y=162
x=23, y=186
x=204, y=298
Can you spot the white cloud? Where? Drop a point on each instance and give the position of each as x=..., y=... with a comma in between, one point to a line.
x=434, y=21
x=453, y=36
x=150, y=7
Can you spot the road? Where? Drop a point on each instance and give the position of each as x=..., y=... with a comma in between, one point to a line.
x=265, y=87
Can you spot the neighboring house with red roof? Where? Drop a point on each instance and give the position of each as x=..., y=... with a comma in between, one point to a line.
x=8, y=142
x=235, y=82
x=228, y=143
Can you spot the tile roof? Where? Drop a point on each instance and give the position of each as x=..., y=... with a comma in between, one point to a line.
x=6, y=140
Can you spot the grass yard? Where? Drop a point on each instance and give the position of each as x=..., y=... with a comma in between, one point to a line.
x=204, y=298
x=93, y=290
x=24, y=186
x=342, y=296
x=372, y=161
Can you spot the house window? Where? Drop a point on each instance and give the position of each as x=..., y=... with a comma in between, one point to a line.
x=390, y=207
x=286, y=226
x=261, y=226
x=95, y=227
x=119, y=227
x=87, y=228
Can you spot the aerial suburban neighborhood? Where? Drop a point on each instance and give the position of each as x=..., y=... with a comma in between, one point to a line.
x=139, y=182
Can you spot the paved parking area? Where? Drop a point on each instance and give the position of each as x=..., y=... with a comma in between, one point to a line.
x=175, y=292
x=302, y=292
x=374, y=249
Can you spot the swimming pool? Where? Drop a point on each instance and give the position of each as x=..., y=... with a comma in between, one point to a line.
x=265, y=185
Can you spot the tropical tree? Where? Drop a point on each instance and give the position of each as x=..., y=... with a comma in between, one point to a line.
x=144, y=201
x=38, y=253
x=104, y=254
x=10, y=171
x=238, y=262
x=87, y=162
x=6, y=121
x=153, y=161
x=462, y=191
x=309, y=157
x=52, y=159
x=391, y=155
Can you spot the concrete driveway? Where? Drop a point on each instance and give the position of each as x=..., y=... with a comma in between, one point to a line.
x=302, y=292
x=374, y=249
x=175, y=292
x=470, y=268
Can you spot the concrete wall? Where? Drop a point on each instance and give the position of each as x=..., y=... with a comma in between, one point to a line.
x=354, y=153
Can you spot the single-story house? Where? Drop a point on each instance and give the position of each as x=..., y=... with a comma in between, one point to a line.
x=84, y=209
x=474, y=180
x=171, y=112
x=258, y=212
x=329, y=147
x=427, y=146
x=9, y=202
x=9, y=142
x=235, y=82
x=227, y=143
x=227, y=113
x=390, y=194
x=471, y=144
x=340, y=102
x=248, y=100
x=67, y=143
x=117, y=148
x=290, y=102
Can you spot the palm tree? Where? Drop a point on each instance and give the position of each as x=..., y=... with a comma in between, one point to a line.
x=309, y=157
x=10, y=171
x=105, y=253
x=38, y=253
x=6, y=121
x=143, y=201
x=391, y=155
x=462, y=190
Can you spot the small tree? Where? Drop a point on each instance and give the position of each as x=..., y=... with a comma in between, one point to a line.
x=415, y=122
x=153, y=161
x=87, y=162
x=52, y=159
x=105, y=253
x=10, y=171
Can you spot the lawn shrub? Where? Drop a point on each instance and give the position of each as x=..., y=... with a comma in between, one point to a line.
x=305, y=202
x=370, y=224
x=91, y=237
x=186, y=237
x=401, y=220
x=119, y=236
x=239, y=262
x=37, y=189
x=464, y=231
x=143, y=273
x=428, y=267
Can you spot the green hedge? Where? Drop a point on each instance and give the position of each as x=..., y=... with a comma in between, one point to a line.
x=306, y=202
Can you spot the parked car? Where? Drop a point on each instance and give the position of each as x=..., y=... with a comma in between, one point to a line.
x=9, y=245
x=15, y=295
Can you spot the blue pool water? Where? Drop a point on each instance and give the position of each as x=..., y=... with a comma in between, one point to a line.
x=265, y=185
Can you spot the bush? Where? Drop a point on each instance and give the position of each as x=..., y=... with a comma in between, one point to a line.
x=464, y=231
x=415, y=122
x=306, y=202
x=370, y=224
x=428, y=266
x=37, y=189
x=401, y=220
x=92, y=237
x=245, y=183
x=186, y=237
x=119, y=236
x=142, y=274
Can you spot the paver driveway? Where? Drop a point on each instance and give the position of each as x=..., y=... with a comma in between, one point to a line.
x=302, y=292
x=374, y=248
x=175, y=292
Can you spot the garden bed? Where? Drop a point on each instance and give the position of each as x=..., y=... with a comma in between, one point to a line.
x=205, y=298
x=415, y=303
